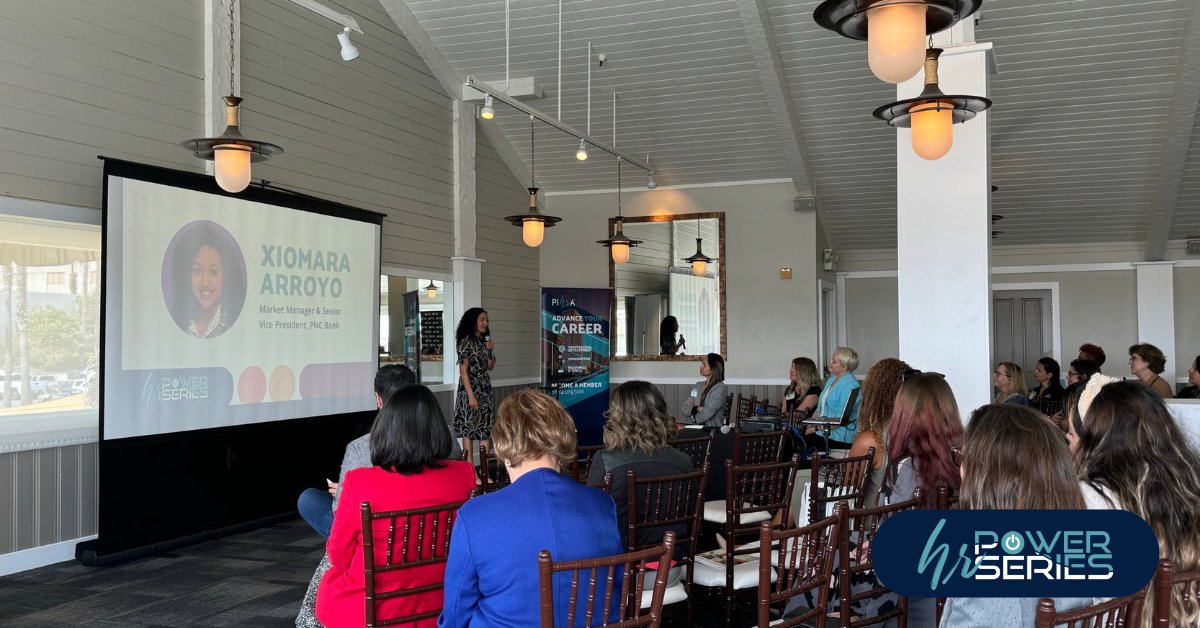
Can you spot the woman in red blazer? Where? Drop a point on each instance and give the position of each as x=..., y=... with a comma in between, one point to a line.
x=409, y=447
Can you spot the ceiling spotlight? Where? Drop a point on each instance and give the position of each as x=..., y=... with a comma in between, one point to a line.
x=581, y=154
x=650, y=182
x=349, y=50
x=488, y=112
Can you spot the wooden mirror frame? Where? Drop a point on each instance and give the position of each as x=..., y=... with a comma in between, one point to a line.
x=612, y=284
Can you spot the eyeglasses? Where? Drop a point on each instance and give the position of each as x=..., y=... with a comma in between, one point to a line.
x=1072, y=373
x=999, y=373
x=956, y=456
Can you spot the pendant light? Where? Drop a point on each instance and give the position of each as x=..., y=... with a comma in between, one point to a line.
x=699, y=260
x=431, y=290
x=932, y=113
x=895, y=30
x=533, y=223
x=619, y=244
x=231, y=152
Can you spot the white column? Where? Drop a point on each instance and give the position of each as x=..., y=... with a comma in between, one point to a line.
x=1156, y=310
x=943, y=233
x=464, y=178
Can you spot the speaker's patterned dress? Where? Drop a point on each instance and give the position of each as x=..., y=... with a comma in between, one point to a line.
x=470, y=423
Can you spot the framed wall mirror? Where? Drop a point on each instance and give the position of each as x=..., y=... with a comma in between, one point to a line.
x=665, y=308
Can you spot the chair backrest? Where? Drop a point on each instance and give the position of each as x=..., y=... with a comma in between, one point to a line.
x=582, y=463
x=745, y=406
x=757, y=448
x=609, y=586
x=837, y=479
x=728, y=407
x=946, y=500
x=667, y=503
x=1122, y=611
x=1182, y=588
x=805, y=563
x=605, y=484
x=493, y=475
x=415, y=537
x=756, y=488
x=854, y=558
x=698, y=449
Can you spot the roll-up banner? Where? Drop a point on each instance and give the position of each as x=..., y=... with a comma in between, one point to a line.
x=575, y=354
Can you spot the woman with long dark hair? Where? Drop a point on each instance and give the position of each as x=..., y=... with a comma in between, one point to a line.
x=1048, y=397
x=409, y=447
x=667, y=343
x=473, y=416
x=706, y=404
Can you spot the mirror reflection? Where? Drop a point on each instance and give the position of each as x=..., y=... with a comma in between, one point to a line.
x=665, y=306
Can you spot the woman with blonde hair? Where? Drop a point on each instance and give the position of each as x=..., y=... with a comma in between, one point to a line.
x=1009, y=380
x=492, y=571
x=879, y=390
x=1131, y=451
x=804, y=387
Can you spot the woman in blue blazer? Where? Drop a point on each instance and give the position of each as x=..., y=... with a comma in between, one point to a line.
x=492, y=570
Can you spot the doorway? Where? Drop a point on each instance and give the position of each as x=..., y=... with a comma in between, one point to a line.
x=1024, y=326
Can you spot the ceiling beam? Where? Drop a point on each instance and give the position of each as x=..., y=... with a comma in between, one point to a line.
x=1180, y=121
x=757, y=24
x=451, y=83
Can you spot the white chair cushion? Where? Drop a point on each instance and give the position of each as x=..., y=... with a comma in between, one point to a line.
x=714, y=511
x=745, y=575
x=674, y=593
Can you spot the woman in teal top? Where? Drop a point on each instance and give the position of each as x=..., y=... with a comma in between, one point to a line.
x=832, y=402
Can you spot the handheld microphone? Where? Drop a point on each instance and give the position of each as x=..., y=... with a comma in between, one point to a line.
x=487, y=337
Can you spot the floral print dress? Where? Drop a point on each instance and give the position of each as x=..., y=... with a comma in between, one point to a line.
x=470, y=423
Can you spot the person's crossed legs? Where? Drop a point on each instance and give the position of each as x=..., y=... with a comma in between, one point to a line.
x=316, y=508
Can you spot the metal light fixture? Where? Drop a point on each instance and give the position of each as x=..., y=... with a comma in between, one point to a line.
x=231, y=152
x=699, y=260
x=895, y=30
x=932, y=113
x=581, y=154
x=431, y=290
x=533, y=223
x=619, y=244
x=488, y=112
x=349, y=50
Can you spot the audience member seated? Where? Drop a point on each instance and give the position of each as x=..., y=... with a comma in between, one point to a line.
x=1012, y=459
x=1080, y=371
x=833, y=399
x=803, y=389
x=879, y=400
x=635, y=438
x=1147, y=362
x=1049, y=395
x=1089, y=351
x=409, y=449
x=706, y=404
x=1009, y=380
x=1133, y=454
x=492, y=573
x=1192, y=390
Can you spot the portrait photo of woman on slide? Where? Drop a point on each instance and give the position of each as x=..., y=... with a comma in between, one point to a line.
x=204, y=279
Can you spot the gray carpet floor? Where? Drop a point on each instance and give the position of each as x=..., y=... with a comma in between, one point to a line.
x=254, y=579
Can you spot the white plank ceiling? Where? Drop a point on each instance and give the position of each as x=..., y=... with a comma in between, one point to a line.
x=1083, y=102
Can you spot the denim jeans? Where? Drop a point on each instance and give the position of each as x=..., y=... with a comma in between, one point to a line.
x=316, y=507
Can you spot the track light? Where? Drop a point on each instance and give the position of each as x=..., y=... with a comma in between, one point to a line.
x=650, y=182
x=488, y=112
x=581, y=154
x=349, y=50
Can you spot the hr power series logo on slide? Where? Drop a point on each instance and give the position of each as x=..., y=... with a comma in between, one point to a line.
x=1027, y=553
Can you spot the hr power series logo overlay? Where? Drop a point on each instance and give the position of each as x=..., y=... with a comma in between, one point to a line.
x=1015, y=553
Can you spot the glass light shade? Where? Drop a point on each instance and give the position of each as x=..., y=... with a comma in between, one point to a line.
x=232, y=167
x=895, y=40
x=620, y=252
x=431, y=291
x=532, y=232
x=699, y=268
x=932, y=130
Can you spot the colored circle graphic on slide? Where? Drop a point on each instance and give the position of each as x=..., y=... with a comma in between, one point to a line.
x=252, y=385
x=282, y=385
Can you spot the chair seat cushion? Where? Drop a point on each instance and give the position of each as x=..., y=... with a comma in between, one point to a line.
x=674, y=593
x=745, y=575
x=714, y=511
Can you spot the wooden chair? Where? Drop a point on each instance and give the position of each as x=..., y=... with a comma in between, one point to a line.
x=1120, y=612
x=1169, y=585
x=854, y=557
x=605, y=484
x=603, y=595
x=698, y=449
x=728, y=407
x=754, y=494
x=492, y=474
x=838, y=479
x=668, y=503
x=416, y=538
x=757, y=448
x=583, y=461
x=806, y=564
x=946, y=500
x=745, y=407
